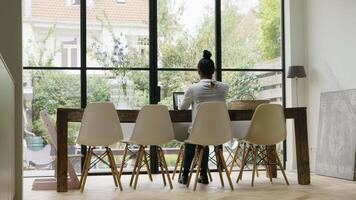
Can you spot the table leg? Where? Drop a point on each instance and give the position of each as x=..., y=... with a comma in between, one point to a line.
x=62, y=152
x=301, y=141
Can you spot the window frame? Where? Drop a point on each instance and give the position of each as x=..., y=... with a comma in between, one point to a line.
x=154, y=93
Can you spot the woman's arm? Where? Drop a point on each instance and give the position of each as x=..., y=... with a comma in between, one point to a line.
x=187, y=100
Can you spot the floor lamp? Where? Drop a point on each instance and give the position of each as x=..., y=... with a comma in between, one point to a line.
x=296, y=72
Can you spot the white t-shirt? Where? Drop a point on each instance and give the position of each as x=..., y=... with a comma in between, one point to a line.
x=203, y=91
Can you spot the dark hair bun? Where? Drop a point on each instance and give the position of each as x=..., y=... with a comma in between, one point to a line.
x=206, y=54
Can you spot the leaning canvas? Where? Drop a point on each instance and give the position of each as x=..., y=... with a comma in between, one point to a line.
x=336, y=142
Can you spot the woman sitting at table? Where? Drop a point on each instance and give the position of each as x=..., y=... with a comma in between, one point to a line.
x=205, y=90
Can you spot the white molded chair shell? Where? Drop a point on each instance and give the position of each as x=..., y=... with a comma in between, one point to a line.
x=268, y=125
x=100, y=125
x=153, y=126
x=212, y=125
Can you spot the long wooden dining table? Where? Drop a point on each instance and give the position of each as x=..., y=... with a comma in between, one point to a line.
x=66, y=115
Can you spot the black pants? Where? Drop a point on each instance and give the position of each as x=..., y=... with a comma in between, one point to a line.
x=189, y=150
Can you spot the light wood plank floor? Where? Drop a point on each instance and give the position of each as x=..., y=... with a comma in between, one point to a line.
x=102, y=187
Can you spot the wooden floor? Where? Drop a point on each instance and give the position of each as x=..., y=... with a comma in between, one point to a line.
x=102, y=188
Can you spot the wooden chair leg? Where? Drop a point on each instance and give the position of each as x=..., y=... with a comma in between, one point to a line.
x=234, y=159
x=254, y=166
x=163, y=159
x=161, y=167
x=222, y=159
x=114, y=168
x=280, y=166
x=257, y=149
x=243, y=154
x=200, y=152
x=84, y=167
x=178, y=160
x=85, y=175
x=267, y=165
x=147, y=165
x=219, y=166
x=135, y=166
x=192, y=166
x=243, y=163
x=123, y=161
x=140, y=158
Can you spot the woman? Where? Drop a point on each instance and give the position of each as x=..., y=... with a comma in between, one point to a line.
x=205, y=90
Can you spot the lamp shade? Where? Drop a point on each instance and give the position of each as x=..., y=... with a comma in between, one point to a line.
x=296, y=72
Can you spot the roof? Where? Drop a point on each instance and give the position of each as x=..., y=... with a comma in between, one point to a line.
x=132, y=11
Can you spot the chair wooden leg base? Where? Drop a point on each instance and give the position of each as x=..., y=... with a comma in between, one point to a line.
x=113, y=167
x=197, y=162
x=179, y=161
x=86, y=168
x=87, y=163
x=243, y=163
x=123, y=162
x=142, y=160
x=224, y=166
x=164, y=165
x=270, y=154
x=234, y=159
x=138, y=165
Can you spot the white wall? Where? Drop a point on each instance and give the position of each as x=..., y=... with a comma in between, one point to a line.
x=321, y=35
x=295, y=55
x=11, y=49
x=330, y=32
x=7, y=133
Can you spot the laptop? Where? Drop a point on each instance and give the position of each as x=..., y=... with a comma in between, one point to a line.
x=177, y=99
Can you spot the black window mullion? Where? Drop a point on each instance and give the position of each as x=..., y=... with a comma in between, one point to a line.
x=153, y=53
x=283, y=75
x=218, y=61
x=83, y=64
x=153, y=62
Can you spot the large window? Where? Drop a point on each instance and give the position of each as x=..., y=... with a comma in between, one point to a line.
x=71, y=59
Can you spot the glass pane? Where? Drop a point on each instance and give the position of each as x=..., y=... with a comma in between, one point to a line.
x=128, y=91
x=185, y=29
x=254, y=85
x=174, y=81
x=251, y=35
x=52, y=36
x=47, y=90
x=117, y=34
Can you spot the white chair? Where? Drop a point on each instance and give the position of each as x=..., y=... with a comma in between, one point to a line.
x=153, y=127
x=100, y=127
x=267, y=128
x=212, y=126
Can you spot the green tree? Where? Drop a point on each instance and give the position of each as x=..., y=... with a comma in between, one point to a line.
x=269, y=33
x=54, y=89
x=242, y=85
